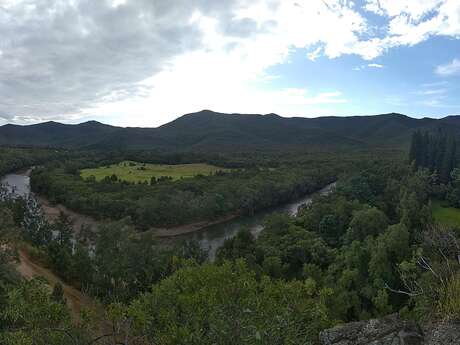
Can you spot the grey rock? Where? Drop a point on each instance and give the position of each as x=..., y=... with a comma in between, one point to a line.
x=390, y=330
x=442, y=334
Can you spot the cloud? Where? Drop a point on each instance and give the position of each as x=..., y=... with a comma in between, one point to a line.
x=430, y=92
x=449, y=69
x=315, y=54
x=435, y=84
x=194, y=82
x=63, y=59
x=417, y=9
x=59, y=57
x=412, y=22
x=370, y=65
x=437, y=103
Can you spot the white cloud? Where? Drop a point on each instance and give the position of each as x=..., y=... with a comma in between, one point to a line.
x=149, y=61
x=415, y=8
x=412, y=22
x=312, y=55
x=197, y=81
x=430, y=92
x=449, y=69
x=375, y=65
x=438, y=103
x=370, y=65
x=435, y=84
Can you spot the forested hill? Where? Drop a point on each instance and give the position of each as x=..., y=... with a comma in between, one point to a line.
x=211, y=131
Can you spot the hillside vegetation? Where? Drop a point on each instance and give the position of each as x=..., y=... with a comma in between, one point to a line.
x=208, y=131
x=368, y=249
x=346, y=257
x=163, y=202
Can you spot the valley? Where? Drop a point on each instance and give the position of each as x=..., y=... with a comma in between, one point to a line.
x=305, y=238
x=210, y=237
x=208, y=172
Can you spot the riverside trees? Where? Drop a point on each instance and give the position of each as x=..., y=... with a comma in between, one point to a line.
x=340, y=260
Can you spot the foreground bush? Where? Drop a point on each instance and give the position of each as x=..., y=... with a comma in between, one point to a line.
x=226, y=304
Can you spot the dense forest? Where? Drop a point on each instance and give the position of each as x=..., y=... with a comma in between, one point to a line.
x=243, y=190
x=13, y=159
x=208, y=131
x=436, y=152
x=368, y=249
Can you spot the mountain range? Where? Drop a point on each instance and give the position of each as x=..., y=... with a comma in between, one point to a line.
x=210, y=131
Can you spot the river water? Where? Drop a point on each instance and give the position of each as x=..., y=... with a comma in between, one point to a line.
x=213, y=237
x=209, y=238
x=19, y=184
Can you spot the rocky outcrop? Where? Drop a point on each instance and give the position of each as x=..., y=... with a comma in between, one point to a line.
x=391, y=330
x=442, y=334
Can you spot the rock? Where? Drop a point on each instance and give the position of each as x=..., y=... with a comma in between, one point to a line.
x=442, y=334
x=390, y=330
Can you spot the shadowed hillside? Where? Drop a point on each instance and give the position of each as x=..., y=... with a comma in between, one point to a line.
x=211, y=131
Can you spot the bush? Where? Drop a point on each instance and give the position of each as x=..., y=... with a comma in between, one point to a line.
x=449, y=304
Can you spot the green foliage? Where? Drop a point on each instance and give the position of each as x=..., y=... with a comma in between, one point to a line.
x=240, y=246
x=390, y=248
x=367, y=222
x=344, y=244
x=347, y=256
x=447, y=216
x=13, y=159
x=449, y=304
x=31, y=316
x=58, y=293
x=226, y=304
x=436, y=152
x=168, y=203
x=7, y=236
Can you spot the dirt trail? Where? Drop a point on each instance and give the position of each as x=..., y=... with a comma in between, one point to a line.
x=75, y=299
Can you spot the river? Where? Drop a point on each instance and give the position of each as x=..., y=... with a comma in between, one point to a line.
x=209, y=238
x=18, y=183
x=212, y=237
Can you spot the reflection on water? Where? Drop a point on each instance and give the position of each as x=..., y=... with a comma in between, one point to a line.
x=214, y=236
x=17, y=183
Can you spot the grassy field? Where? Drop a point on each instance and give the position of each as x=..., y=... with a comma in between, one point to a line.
x=448, y=216
x=135, y=171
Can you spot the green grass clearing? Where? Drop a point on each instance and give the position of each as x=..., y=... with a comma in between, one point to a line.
x=139, y=172
x=448, y=216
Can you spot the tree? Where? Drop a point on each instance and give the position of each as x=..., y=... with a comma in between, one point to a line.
x=448, y=161
x=227, y=305
x=367, y=222
x=240, y=246
x=415, y=148
x=330, y=229
x=35, y=227
x=58, y=293
x=31, y=316
x=436, y=152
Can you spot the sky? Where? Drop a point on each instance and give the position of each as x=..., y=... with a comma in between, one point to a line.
x=146, y=62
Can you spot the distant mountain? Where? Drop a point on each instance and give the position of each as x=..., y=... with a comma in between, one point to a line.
x=54, y=134
x=210, y=131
